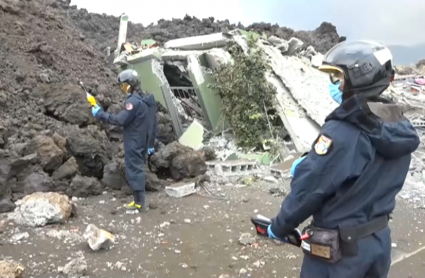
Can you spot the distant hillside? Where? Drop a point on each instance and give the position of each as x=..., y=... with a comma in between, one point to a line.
x=407, y=55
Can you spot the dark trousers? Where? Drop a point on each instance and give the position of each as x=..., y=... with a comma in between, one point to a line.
x=139, y=197
x=373, y=260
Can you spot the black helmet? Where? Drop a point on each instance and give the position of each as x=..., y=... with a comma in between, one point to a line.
x=366, y=66
x=128, y=80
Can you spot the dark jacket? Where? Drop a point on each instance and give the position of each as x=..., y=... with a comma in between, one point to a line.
x=152, y=124
x=358, y=171
x=134, y=120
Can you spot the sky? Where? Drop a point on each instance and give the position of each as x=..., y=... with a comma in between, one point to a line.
x=392, y=22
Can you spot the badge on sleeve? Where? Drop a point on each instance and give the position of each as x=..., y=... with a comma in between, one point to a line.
x=129, y=106
x=322, y=145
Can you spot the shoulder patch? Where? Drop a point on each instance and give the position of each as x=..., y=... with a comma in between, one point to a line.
x=129, y=106
x=323, y=144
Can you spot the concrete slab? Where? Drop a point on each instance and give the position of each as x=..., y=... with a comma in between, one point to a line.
x=307, y=85
x=198, y=42
x=193, y=136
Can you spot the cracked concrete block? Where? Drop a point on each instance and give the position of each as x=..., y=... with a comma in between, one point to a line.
x=181, y=189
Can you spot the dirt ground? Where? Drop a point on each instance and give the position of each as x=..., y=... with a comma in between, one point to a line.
x=161, y=243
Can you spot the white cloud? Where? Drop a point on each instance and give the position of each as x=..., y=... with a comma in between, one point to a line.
x=151, y=11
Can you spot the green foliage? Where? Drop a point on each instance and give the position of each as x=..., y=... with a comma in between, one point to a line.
x=246, y=95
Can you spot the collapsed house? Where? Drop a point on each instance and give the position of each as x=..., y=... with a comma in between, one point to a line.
x=179, y=73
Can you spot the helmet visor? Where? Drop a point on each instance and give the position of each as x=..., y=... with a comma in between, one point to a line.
x=125, y=87
x=336, y=74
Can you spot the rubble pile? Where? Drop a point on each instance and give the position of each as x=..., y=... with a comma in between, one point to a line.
x=49, y=141
x=102, y=30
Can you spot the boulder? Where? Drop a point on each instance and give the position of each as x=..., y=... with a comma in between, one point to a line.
x=113, y=176
x=67, y=170
x=115, y=133
x=60, y=142
x=50, y=154
x=40, y=209
x=165, y=132
x=153, y=183
x=84, y=187
x=6, y=205
x=36, y=182
x=4, y=176
x=11, y=269
x=66, y=102
x=90, y=147
x=208, y=153
x=182, y=162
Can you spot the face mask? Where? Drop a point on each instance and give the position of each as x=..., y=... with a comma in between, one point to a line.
x=335, y=92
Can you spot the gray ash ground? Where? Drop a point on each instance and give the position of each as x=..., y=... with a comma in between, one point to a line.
x=194, y=236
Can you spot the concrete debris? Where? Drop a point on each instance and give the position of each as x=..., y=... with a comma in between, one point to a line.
x=18, y=237
x=40, y=209
x=279, y=43
x=181, y=189
x=66, y=236
x=98, y=238
x=223, y=147
x=76, y=268
x=11, y=269
x=295, y=44
x=317, y=60
x=271, y=179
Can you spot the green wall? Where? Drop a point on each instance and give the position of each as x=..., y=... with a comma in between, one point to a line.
x=149, y=80
x=211, y=100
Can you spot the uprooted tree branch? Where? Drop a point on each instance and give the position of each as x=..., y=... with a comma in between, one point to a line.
x=246, y=95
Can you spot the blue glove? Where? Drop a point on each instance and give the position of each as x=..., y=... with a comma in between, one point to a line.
x=151, y=151
x=270, y=233
x=272, y=236
x=95, y=109
x=295, y=164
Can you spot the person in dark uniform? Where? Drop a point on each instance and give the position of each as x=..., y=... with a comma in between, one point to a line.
x=134, y=118
x=349, y=180
x=152, y=109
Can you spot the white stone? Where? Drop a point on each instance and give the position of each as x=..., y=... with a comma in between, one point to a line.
x=242, y=271
x=40, y=209
x=98, y=238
